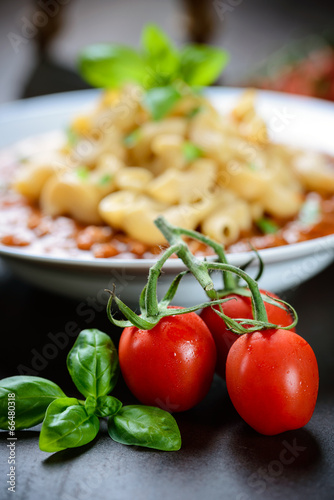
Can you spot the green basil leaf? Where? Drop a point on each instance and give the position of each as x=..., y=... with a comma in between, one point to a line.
x=162, y=57
x=105, y=179
x=90, y=405
x=83, y=173
x=107, y=406
x=67, y=425
x=194, y=112
x=191, y=152
x=202, y=64
x=160, y=100
x=267, y=226
x=111, y=66
x=32, y=397
x=132, y=139
x=93, y=363
x=145, y=426
x=310, y=212
x=72, y=137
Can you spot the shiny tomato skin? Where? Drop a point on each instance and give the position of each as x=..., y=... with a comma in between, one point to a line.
x=170, y=366
x=239, y=307
x=272, y=379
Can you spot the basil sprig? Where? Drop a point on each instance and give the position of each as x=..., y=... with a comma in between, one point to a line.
x=159, y=67
x=69, y=422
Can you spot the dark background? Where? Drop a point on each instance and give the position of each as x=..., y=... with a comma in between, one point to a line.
x=251, y=30
x=221, y=456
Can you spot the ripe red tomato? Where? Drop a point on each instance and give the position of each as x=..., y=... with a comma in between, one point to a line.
x=239, y=307
x=170, y=366
x=272, y=378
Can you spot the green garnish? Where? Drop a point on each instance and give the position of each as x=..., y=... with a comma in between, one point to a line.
x=83, y=173
x=131, y=139
x=69, y=422
x=23, y=159
x=310, y=212
x=160, y=100
x=105, y=179
x=267, y=226
x=191, y=152
x=72, y=137
x=193, y=112
x=158, y=66
x=253, y=166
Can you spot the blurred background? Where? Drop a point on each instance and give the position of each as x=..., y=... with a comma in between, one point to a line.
x=274, y=44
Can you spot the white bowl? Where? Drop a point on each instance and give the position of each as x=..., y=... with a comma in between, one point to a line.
x=292, y=120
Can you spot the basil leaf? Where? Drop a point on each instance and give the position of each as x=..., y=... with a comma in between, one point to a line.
x=90, y=405
x=161, y=55
x=111, y=65
x=191, y=152
x=72, y=137
x=267, y=226
x=67, y=425
x=193, y=112
x=105, y=179
x=131, y=139
x=160, y=100
x=32, y=397
x=145, y=426
x=310, y=212
x=93, y=363
x=202, y=64
x=83, y=173
x=107, y=406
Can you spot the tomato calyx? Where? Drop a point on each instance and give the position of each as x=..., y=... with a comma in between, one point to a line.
x=238, y=325
x=152, y=311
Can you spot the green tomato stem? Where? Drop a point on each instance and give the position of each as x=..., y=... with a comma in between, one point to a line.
x=230, y=282
x=200, y=269
x=195, y=266
x=259, y=310
x=151, y=298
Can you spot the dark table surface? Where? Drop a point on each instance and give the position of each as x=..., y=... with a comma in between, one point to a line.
x=221, y=457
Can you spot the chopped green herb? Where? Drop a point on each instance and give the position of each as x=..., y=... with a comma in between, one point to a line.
x=131, y=139
x=23, y=159
x=83, y=173
x=267, y=226
x=193, y=112
x=310, y=212
x=105, y=179
x=191, y=152
x=253, y=166
x=72, y=137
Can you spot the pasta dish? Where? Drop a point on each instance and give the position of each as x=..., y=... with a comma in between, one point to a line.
x=119, y=169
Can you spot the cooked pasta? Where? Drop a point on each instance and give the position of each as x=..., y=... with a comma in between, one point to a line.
x=200, y=169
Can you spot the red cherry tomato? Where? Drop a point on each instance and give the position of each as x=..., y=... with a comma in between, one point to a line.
x=272, y=379
x=239, y=307
x=170, y=366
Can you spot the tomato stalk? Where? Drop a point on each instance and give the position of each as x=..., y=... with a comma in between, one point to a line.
x=153, y=311
x=174, y=234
